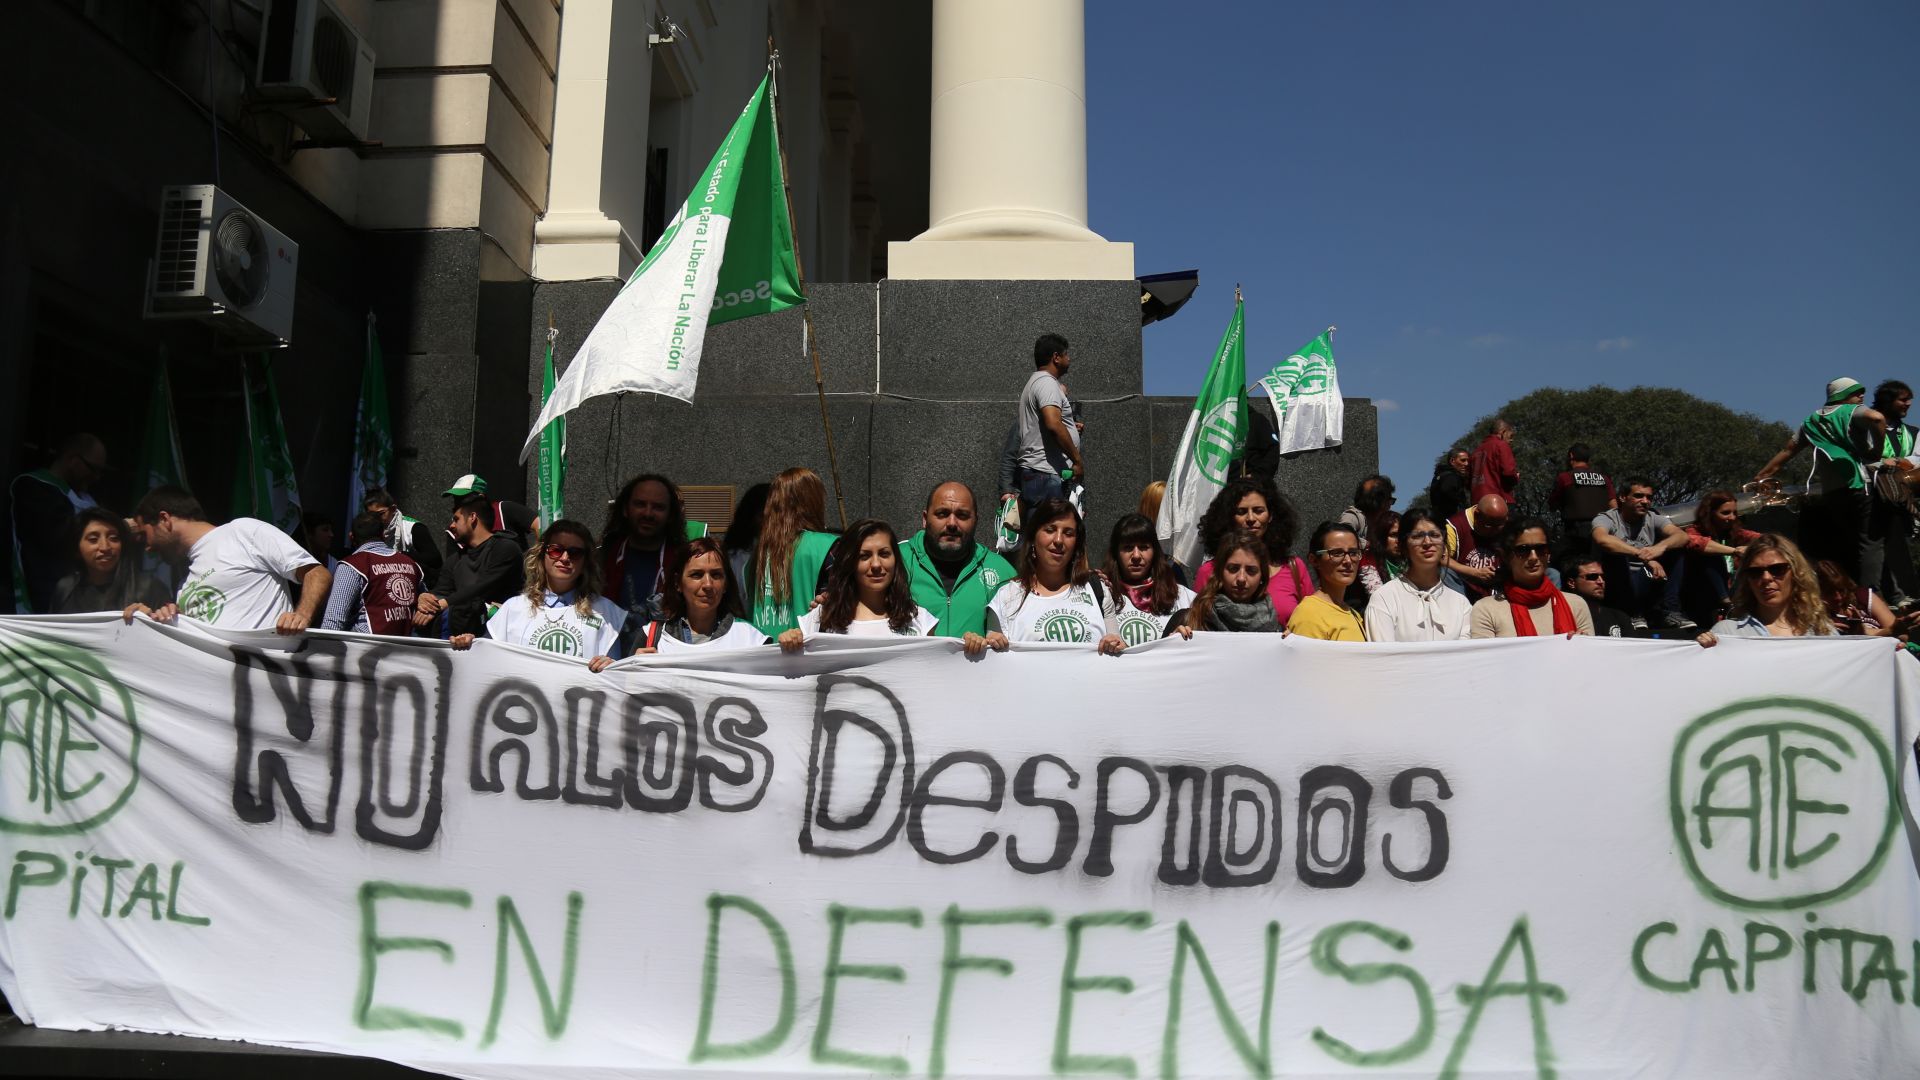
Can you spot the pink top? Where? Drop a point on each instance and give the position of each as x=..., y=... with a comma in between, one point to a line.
x=1280, y=586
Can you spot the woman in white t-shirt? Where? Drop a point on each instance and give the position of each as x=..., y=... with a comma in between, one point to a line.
x=701, y=603
x=1055, y=597
x=561, y=610
x=1145, y=593
x=867, y=593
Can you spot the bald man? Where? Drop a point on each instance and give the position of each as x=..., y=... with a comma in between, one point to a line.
x=44, y=502
x=952, y=575
x=1474, y=554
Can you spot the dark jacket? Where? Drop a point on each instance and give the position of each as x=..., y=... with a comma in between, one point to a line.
x=487, y=573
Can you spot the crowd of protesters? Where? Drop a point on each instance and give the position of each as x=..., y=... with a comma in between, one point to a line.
x=1463, y=565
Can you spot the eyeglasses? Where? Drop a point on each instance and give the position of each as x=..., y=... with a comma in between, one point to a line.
x=1592, y=577
x=1339, y=554
x=1772, y=570
x=1425, y=538
x=1532, y=549
x=556, y=552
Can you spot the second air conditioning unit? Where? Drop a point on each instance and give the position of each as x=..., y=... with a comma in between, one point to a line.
x=218, y=263
x=315, y=63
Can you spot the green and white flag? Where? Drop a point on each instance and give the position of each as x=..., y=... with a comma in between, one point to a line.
x=1305, y=388
x=553, y=449
x=161, y=461
x=1215, y=438
x=263, y=485
x=728, y=254
x=372, y=428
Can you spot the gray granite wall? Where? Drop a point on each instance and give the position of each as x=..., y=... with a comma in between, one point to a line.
x=922, y=378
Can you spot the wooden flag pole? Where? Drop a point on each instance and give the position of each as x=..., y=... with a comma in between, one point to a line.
x=806, y=309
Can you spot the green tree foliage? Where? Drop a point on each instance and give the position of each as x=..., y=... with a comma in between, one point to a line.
x=1685, y=445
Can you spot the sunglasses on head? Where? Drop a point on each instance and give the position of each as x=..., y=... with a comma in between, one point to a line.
x=566, y=551
x=1772, y=570
x=1532, y=549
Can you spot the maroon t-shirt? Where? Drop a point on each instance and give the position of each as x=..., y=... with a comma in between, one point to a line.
x=1475, y=552
x=393, y=584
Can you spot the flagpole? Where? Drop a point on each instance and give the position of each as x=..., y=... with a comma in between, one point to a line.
x=806, y=309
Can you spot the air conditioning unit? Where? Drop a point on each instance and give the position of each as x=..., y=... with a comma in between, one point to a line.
x=313, y=60
x=217, y=262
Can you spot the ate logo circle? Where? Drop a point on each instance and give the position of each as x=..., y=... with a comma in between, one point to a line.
x=401, y=587
x=199, y=600
x=1136, y=628
x=1064, y=626
x=1782, y=803
x=559, y=638
x=69, y=740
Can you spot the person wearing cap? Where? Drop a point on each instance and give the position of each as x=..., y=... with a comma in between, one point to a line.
x=512, y=520
x=1846, y=437
x=486, y=569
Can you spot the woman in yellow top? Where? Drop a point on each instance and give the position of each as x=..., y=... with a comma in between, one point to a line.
x=1336, y=562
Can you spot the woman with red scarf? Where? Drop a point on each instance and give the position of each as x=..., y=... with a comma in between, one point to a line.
x=1527, y=604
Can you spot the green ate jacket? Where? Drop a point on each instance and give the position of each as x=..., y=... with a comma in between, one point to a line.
x=965, y=611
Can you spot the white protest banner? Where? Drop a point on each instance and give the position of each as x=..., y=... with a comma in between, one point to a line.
x=1509, y=858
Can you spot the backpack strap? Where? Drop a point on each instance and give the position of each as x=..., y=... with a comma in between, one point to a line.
x=1100, y=598
x=1299, y=585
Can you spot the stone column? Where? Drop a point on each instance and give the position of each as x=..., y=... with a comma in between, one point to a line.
x=576, y=239
x=1008, y=188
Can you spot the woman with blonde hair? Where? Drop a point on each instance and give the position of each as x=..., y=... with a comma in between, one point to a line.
x=784, y=573
x=1150, y=499
x=561, y=610
x=1778, y=595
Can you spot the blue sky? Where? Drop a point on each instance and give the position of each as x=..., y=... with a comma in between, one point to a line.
x=1488, y=198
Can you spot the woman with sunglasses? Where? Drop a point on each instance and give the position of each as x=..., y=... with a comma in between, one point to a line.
x=867, y=593
x=1526, y=603
x=701, y=606
x=1778, y=595
x=561, y=611
x=1326, y=614
x=1234, y=600
x=107, y=577
x=1415, y=605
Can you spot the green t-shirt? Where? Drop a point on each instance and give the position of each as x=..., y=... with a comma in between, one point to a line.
x=809, y=555
x=1838, y=449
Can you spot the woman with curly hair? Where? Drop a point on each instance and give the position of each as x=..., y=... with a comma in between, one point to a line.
x=561, y=610
x=1254, y=504
x=867, y=593
x=791, y=550
x=1778, y=595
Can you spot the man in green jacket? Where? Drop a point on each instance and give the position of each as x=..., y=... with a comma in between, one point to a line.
x=953, y=576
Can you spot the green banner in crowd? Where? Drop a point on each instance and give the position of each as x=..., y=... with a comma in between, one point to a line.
x=553, y=448
x=372, y=428
x=1308, y=411
x=264, y=486
x=161, y=461
x=1215, y=438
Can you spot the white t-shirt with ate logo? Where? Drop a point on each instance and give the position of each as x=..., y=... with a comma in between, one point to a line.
x=238, y=576
x=923, y=622
x=1070, y=615
x=557, y=626
x=1137, y=627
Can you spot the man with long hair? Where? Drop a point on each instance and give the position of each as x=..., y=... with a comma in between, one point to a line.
x=646, y=522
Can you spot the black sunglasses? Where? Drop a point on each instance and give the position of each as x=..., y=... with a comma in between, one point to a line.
x=1772, y=570
x=1532, y=549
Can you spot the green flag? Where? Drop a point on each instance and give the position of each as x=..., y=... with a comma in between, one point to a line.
x=553, y=449
x=1215, y=438
x=372, y=428
x=160, y=459
x=1309, y=412
x=263, y=484
x=726, y=255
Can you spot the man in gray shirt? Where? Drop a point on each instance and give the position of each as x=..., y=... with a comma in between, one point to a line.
x=1049, y=439
x=1641, y=551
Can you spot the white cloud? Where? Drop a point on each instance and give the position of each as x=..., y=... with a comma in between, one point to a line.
x=1488, y=341
x=1386, y=404
x=1614, y=343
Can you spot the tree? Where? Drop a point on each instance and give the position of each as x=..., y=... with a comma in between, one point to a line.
x=1686, y=446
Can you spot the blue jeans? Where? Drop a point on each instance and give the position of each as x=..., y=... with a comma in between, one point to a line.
x=1037, y=486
